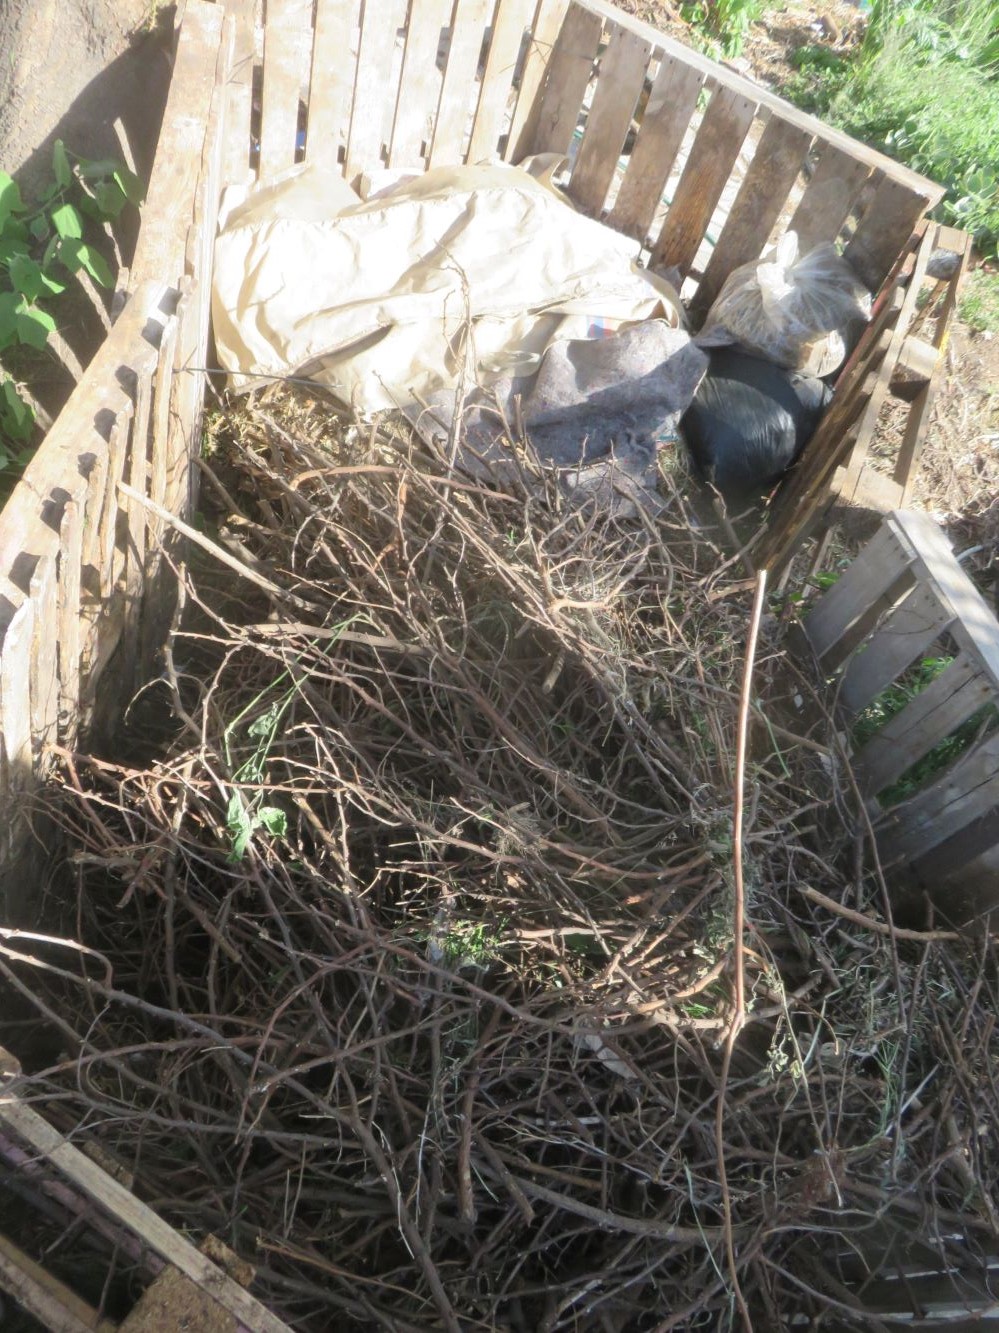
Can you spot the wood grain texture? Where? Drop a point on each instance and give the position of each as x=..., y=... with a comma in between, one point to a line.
x=374, y=88
x=619, y=85
x=884, y=229
x=534, y=77
x=672, y=102
x=509, y=25
x=875, y=569
x=903, y=637
x=287, y=33
x=569, y=73
x=713, y=155
x=239, y=104
x=828, y=197
x=458, y=90
x=420, y=84
x=331, y=80
x=769, y=180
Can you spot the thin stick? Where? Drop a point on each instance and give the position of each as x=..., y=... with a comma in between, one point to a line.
x=880, y=927
x=738, y=928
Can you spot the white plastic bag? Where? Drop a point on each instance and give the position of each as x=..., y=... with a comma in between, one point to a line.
x=797, y=314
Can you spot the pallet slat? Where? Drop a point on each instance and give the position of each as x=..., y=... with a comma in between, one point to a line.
x=672, y=102
x=569, y=73
x=534, y=76
x=716, y=147
x=828, y=198
x=884, y=229
x=285, y=34
x=331, y=80
x=905, y=634
x=776, y=164
x=419, y=87
x=467, y=34
x=622, y=74
x=239, y=105
x=373, y=87
x=509, y=25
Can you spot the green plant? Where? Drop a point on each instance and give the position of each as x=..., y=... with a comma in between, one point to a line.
x=728, y=21
x=979, y=304
x=41, y=243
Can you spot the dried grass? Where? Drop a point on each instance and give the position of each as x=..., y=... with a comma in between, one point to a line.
x=407, y=966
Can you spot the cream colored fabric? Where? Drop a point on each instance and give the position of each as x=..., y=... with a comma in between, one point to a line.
x=391, y=300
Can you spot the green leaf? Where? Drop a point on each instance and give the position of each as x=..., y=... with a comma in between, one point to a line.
x=67, y=221
x=26, y=277
x=9, y=301
x=52, y=285
x=239, y=826
x=10, y=249
x=10, y=197
x=97, y=168
x=40, y=227
x=273, y=819
x=61, y=169
x=130, y=185
x=16, y=416
x=96, y=265
x=110, y=199
x=33, y=325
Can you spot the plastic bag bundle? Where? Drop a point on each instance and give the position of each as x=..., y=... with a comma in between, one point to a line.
x=795, y=312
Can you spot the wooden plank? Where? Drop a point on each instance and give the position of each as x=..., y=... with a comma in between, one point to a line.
x=44, y=685
x=374, y=98
x=968, y=790
x=458, y=89
x=712, y=156
x=137, y=1217
x=884, y=229
x=976, y=627
x=108, y=525
x=509, y=25
x=569, y=73
x=874, y=570
x=68, y=620
x=523, y=126
x=956, y=694
x=727, y=78
x=906, y=633
x=160, y=446
x=619, y=86
x=828, y=197
x=239, y=88
x=38, y=1293
x=285, y=29
x=332, y=80
x=769, y=180
x=135, y=550
x=420, y=85
x=169, y=206
x=672, y=102
x=15, y=697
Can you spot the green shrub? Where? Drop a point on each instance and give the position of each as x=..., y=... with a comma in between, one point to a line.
x=979, y=305
x=728, y=21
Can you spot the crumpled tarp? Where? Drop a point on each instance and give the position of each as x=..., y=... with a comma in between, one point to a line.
x=448, y=291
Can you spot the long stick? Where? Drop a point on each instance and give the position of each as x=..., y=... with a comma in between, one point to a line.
x=738, y=929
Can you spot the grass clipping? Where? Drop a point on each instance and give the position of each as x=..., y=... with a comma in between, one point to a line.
x=408, y=968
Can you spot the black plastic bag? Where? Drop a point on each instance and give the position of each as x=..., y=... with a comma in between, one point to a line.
x=750, y=420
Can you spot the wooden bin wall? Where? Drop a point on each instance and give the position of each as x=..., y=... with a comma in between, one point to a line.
x=904, y=594
x=79, y=556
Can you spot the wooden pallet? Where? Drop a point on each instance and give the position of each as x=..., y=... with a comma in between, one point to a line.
x=903, y=593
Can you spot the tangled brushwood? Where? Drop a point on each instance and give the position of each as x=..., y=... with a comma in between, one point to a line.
x=407, y=967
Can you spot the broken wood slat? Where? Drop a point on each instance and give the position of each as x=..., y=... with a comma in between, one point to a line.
x=884, y=229
x=137, y=1217
x=135, y=546
x=775, y=167
x=952, y=697
x=713, y=154
x=168, y=211
x=905, y=634
x=286, y=33
x=509, y=25
x=467, y=33
x=43, y=1296
x=15, y=697
x=619, y=86
x=569, y=73
x=331, y=82
x=108, y=567
x=882, y=385
x=746, y=88
x=374, y=91
x=672, y=102
x=828, y=197
x=533, y=79
x=911, y=449
x=239, y=87
x=44, y=685
x=965, y=792
x=67, y=619
x=420, y=85
x=159, y=439
x=877, y=568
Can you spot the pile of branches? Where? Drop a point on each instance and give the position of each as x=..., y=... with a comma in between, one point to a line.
x=407, y=967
